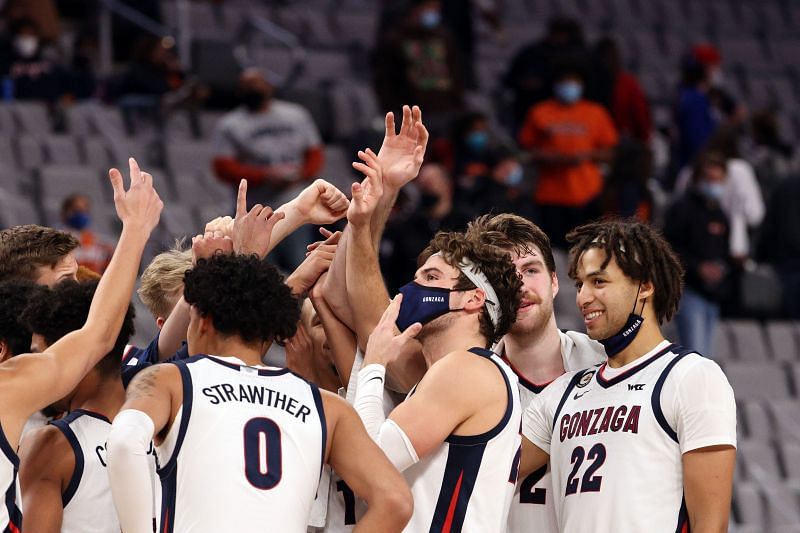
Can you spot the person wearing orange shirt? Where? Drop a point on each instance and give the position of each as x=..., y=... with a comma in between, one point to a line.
x=568, y=138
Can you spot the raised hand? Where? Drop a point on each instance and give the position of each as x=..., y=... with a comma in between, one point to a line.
x=401, y=154
x=209, y=244
x=320, y=203
x=316, y=263
x=222, y=224
x=367, y=194
x=300, y=354
x=139, y=207
x=384, y=345
x=252, y=230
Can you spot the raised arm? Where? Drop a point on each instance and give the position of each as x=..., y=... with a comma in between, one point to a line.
x=341, y=340
x=33, y=381
x=365, y=469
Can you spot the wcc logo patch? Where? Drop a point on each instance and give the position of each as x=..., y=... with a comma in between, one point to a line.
x=585, y=379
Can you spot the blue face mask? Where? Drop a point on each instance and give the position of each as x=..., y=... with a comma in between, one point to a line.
x=712, y=191
x=514, y=178
x=478, y=141
x=622, y=339
x=568, y=92
x=78, y=220
x=422, y=304
x=430, y=18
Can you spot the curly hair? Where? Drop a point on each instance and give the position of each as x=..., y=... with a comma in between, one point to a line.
x=496, y=265
x=15, y=296
x=162, y=281
x=514, y=234
x=642, y=254
x=25, y=248
x=244, y=296
x=53, y=313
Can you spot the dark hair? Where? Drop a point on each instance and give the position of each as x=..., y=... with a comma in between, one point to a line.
x=25, y=248
x=244, y=296
x=70, y=201
x=15, y=296
x=496, y=265
x=705, y=159
x=641, y=253
x=514, y=234
x=53, y=313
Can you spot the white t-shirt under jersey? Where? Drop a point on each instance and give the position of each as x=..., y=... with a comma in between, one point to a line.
x=612, y=432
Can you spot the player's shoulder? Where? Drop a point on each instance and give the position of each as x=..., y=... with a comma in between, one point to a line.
x=690, y=364
x=156, y=375
x=286, y=109
x=579, y=350
x=45, y=448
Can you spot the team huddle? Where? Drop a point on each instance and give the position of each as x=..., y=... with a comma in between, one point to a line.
x=457, y=405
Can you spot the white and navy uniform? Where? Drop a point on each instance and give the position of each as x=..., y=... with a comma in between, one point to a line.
x=616, y=437
x=245, y=450
x=10, y=514
x=533, y=498
x=344, y=507
x=87, y=502
x=468, y=483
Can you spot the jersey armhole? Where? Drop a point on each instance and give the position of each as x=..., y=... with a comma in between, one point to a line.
x=185, y=413
x=323, y=422
x=77, y=472
x=655, y=399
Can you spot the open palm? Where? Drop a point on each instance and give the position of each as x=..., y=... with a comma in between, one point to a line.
x=401, y=154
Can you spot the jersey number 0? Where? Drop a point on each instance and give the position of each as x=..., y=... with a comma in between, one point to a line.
x=263, y=470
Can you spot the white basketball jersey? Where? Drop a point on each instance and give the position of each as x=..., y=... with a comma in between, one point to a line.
x=245, y=451
x=467, y=484
x=533, y=498
x=616, y=438
x=344, y=506
x=88, y=507
x=10, y=514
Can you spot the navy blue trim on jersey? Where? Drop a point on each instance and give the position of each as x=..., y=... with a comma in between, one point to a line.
x=78, y=412
x=323, y=422
x=572, y=383
x=169, y=486
x=186, y=412
x=8, y=451
x=606, y=383
x=77, y=472
x=525, y=382
x=234, y=366
x=683, y=519
x=655, y=398
x=467, y=440
x=14, y=513
x=458, y=482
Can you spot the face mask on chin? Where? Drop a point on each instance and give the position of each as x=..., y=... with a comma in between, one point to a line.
x=624, y=337
x=254, y=100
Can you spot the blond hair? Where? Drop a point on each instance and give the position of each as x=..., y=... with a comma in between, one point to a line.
x=162, y=281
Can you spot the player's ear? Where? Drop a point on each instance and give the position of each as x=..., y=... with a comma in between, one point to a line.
x=475, y=300
x=554, y=283
x=5, y=351
x=160, y=322
x=646, y=290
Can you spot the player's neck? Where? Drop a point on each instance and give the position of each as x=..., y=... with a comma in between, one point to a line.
x=102, y=395
x=537, y=354
x=248, y=353
x=648, y=338
x=435, y=346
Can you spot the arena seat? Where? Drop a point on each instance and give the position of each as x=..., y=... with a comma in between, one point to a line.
x=754, y=381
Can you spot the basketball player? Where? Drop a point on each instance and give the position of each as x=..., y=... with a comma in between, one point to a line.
x=646, y=441
x=15, y=337
x=456, y=436
x=33, y=381
x=63, y=465
x=250, y=439
x=39, y=254
x=535, y=348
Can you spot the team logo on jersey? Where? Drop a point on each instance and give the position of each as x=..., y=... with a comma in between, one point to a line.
x=585, y=379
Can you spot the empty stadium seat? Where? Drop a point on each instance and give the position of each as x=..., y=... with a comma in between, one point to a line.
x=749, y=505
x=16, y=209
x=32, y=117
x=748, y=338
x=59, y=181
x=179, y=221
x=61, y=150
x=338, y=169
x=782, y=508
x=721, y=347
x=786, y=414
x=782, y=338
x=760, y=461
x=757, y=421
x=189, y=156
x=754, y=381
x=29, y=152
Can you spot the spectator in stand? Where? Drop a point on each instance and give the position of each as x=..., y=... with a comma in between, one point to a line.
x=568, y=138
x=773, y=159
x=695, y=118
x=459, y=17
x=697, y=228
x=95, y=250
x=153, y=70
x=620, y=93
x=726, y=109
x=272, y=144
x=533, y=70
x=32, y=73
x=418, y=63
x=742, y=200
x=779, y=242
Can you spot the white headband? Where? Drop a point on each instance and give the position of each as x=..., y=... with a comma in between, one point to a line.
x=480, y=280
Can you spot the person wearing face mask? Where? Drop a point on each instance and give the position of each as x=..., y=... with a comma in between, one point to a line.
x=95, y=250
x=698, y=229
x=272, y=144
x=656, y=418
x=419, y=63
x=568, y=139
x=32, y=74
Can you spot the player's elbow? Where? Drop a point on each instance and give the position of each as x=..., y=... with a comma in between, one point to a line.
x=399, y=504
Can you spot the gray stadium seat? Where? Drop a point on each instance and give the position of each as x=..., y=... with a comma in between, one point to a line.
x=79, y=122
x=7, y=126
x=757, y=421
x=208, y=123
x=16, y=209
x=179, y=221
x=61, y=150
x=324, y=65
x=786, y=414
x=97, y=153
x=189, y=156
x=782, y=508
x=758, y=381
x=782, y=338
x=749, y=506
x=32, y=117
x=721, y=347
x=356, y=27
x=791, y=459
x=29, y=152
x=338, y=170
x=275, y=60
x=760, y=462
x=748, y=338
x=354, y=107
x=57, y=182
